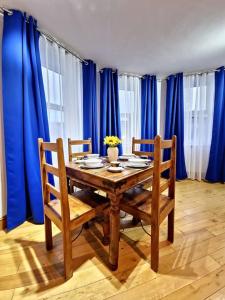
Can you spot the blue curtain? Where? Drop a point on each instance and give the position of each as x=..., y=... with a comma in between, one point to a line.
x=25, y=118
x=216, y=166
x=148, y=110
x=110, y=112
x=90, y=115
x=174, y=124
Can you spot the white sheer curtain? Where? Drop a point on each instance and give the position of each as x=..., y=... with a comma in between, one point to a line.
x=130, y=110
x=198, y=117
x=62, y=76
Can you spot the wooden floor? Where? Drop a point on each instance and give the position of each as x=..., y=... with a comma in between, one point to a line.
x=192, y=268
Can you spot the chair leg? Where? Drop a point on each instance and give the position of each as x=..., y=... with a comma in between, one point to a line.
x=86, y=225
x=71, y=187
x=154, y=247
x=135, y=221
x=68, y=184
x=67, y=249
x=48, y=233
x=171, y=226
x=106, y=229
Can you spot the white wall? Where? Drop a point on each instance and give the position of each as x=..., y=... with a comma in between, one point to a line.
x=2, y=160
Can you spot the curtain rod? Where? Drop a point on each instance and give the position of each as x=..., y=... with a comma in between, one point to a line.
x=193, y=73
x=51, y=38
x=161, y=79
x=131, y=75
x=2, y=9
x=201, y=72
x=48, y=36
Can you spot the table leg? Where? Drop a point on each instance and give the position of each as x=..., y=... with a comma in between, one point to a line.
x=114, y=231
x=68, y=184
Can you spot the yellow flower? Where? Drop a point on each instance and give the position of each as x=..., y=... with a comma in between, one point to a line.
x=112, y=141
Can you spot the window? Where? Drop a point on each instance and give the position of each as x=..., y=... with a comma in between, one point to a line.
x=195, y=106
x=130, y=110
x=62, y=77
x=126, y=115
x=198, y=116
x=53, y=86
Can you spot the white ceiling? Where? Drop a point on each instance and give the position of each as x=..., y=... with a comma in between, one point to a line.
x=139, y=36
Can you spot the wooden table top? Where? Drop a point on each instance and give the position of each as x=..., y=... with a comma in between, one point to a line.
x=102, y=173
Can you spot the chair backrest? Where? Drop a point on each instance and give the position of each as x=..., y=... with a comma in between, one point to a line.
x=142, y=142
x=72, y=143
x=161, y=166
x=59, y=171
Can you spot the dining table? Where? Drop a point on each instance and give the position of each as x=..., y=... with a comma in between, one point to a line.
x=114, y=185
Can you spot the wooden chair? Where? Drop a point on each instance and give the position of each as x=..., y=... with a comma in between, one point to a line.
x=142, y=142
x=147, y=183
x=72, y=143
x=152, y=206
x=71, y=154
x=66, y=211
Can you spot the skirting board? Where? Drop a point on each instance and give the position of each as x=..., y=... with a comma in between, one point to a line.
x=3, y=223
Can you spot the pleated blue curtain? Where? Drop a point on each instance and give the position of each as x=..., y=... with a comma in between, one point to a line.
x=90, y=115
x=174, y=123
x=25, y=118
x=109, y=107
x=148, y=110
x=216, y=167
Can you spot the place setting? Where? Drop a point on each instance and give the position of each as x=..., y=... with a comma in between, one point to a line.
x=115, y=167
x=138, y=163
x=134, y=161
x=90, y=162
x=112, y=162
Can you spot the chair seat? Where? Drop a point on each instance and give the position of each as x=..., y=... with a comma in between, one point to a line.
x=138, y=202
x=136, y=195
x=81, y=203
x=147, y=183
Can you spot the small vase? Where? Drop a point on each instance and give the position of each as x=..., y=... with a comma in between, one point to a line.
x=112, y=153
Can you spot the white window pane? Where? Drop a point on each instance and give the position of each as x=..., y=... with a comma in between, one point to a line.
x=62, y=77
x=130, y=103
x=198, y=115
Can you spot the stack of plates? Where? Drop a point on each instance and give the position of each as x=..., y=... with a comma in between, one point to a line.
x=139, y=160
x=115, y=169
x=138, y=163
x=126, y=157
x=92, y=155
x=88, y=161
x=93, y=163
x=92, y=166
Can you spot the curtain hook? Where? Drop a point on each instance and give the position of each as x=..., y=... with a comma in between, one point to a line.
x=9, y=12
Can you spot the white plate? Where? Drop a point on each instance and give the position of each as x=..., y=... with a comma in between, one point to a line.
x=79, y=161
x=136, y=165
x=128, y=155
x=115, y=169
x=94, y=155
x=123, y=158
x=92, y=161
x=139, y=160
x=94, y=166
